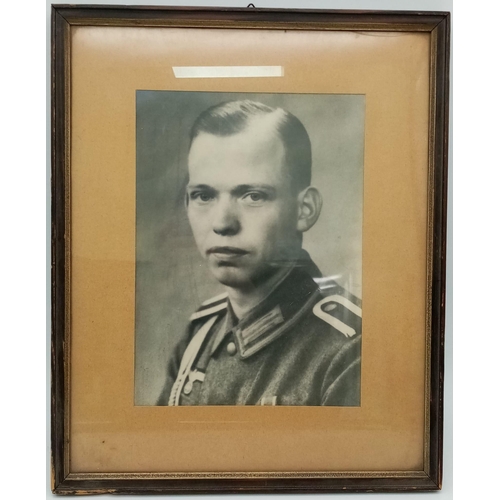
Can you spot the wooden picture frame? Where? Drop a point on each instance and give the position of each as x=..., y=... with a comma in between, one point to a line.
x=406, y=221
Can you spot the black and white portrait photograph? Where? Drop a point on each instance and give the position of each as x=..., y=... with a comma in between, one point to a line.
x=248, y=248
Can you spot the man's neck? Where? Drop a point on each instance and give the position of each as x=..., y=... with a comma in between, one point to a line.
x=243, y=300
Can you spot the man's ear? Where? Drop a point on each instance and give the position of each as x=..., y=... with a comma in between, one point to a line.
x=310, y=203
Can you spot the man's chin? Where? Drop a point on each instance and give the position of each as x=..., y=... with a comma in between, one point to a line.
x=232, y=276
x=242, y=278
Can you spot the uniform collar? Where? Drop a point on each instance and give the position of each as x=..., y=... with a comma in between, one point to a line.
x=274, y=315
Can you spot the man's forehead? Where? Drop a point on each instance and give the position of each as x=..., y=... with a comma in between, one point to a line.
x=220, y=159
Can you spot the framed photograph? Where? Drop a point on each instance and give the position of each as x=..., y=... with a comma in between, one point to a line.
x=248, y=249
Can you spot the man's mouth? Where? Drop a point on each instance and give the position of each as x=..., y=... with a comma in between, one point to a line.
x=225, y=253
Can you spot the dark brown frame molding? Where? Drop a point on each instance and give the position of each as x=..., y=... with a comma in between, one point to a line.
x=66, y=16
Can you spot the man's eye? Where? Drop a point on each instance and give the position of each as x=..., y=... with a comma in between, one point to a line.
x=254, y=197
x=201, y=197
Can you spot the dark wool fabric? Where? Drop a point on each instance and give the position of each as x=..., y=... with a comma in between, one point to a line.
x=300, y=346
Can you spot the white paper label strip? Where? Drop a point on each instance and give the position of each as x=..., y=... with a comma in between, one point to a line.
x=228, y=71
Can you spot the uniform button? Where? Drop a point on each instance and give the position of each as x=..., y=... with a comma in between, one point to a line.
x=188, y=387
x=231, y=349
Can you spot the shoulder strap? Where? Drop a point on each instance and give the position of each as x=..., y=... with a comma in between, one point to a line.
x=188, y=359
x=341, y=313
x=210, y=306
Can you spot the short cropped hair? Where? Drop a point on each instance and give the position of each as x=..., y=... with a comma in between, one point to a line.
x=232, y=117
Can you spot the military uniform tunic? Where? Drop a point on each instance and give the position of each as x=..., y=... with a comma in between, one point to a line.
x=300, y=346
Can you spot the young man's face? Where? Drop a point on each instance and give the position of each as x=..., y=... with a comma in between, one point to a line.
x=240, y=204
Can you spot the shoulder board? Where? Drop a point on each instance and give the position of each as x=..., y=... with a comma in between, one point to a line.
x=341, y=313
x=210, y=306
x=215, y=299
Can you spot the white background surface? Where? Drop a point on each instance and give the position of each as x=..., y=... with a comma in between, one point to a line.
x=25, y=245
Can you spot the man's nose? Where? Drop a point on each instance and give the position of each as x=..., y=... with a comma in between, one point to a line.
x=226, y=220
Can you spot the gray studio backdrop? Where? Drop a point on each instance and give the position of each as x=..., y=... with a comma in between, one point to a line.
x=171, y=277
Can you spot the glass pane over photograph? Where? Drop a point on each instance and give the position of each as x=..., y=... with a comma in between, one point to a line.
x=248, y=248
